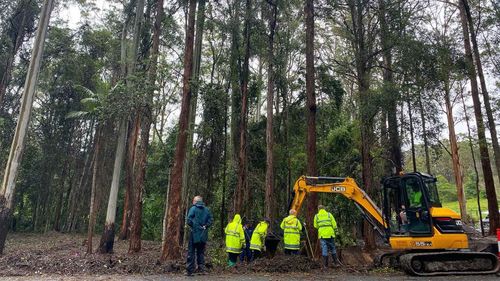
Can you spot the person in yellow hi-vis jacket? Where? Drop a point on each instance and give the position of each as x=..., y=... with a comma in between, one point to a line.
x=292, y=228
x=258, y=238
x=326, y=225
x=235, y=239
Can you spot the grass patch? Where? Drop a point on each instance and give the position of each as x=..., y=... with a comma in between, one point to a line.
x=472, y=209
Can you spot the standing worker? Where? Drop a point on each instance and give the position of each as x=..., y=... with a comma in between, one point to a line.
x=258, y=238
x=292, y=228
x=199, y=220
x=235, y=239
x=326, y=225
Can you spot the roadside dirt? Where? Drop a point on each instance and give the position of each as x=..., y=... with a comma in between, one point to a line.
x=64, y=254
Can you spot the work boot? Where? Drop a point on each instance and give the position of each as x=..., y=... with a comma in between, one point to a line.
x=336, y=260
x=325, y=262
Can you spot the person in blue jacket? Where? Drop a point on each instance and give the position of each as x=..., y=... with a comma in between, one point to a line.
x=199, y=220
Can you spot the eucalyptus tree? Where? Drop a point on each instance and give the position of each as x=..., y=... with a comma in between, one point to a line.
x=483, y=145
x=9, y=181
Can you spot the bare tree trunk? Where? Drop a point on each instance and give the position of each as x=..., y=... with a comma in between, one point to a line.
x=486, y=96
x=476, y=172
x=312, y=169
x=7, y=191
x=129, y=177
x=172, y=250
x=95, y=167
x=270, y=199
x=457, y=170
x=483, y=145
x=242, y=187
x=17, y=41
x=412, y=138
x=394, y=143
x=108, y=235
x=424, y=136
x=235, y=70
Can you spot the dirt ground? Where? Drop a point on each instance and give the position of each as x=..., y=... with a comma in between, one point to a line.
x=64, y=254
x=55, y=256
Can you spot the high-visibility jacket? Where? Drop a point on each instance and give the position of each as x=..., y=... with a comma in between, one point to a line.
x=235, y=236
x=292, y=228
x=259, y=236
x=325, y=223
x=416, y=199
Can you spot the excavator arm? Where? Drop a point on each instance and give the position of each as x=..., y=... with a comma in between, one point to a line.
x=346, y=187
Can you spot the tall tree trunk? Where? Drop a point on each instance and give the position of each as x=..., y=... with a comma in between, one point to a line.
x=108, y=235
x=235, y=72
x=17, y=40
x=486, y=95
x=93, y=207
x=483, y=145
x=188, y=165
x=412, y=138
x=242, y=187
x=424, y=136
x=457, y=170
x=136, y=206
x=312, y=169
x=476, y=172
x=129, y=178
x=172, y=249
x=11, y=170
x=385, y=38
x=270, y=198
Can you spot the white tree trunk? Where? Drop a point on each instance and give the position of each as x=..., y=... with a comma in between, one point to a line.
x=17, y=147
x=117, y=169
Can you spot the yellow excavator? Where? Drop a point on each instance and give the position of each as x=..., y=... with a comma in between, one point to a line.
x=426, y=239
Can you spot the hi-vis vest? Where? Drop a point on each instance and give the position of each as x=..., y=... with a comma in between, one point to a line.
x=258, y=236
x=292, y=228
x=325, y=223
x=235, y=237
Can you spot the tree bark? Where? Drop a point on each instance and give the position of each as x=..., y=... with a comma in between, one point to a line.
x=17, y=39
x=412, y=138
x=235, y=72
x=172, y=249
x=95, y=167
x=424, y=136
x=7, y=191
x=486, y=95
x=394, y=142
x=270, y=199
x=457, y=170
x=312, y=169
x=242, y=187
x=483, y=145
x=108, y=235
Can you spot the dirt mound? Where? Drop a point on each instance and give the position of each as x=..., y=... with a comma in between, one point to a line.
x=282, y=263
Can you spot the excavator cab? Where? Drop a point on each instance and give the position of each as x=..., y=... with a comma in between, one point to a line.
x=407, y=202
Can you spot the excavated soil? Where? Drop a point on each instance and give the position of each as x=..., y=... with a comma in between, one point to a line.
x=64, y=254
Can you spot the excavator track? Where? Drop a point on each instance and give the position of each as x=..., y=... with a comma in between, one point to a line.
x=449, y=263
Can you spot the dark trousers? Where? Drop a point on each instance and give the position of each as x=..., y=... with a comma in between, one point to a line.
x=246, y=254
x=256, y=254
x=327, y=244
x=195, y=251
x=291, y=252
x=233, y=257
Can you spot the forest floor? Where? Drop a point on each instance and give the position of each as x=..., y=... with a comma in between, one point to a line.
x=55, y=256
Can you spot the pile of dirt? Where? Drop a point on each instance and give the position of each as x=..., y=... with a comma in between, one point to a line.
x=54, y=253
x=282, y=263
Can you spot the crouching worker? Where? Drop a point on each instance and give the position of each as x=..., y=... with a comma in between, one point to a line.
x=199, y=220
x=235, y=239
x=326, y=225
x=291, y=227
x=258, y=238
